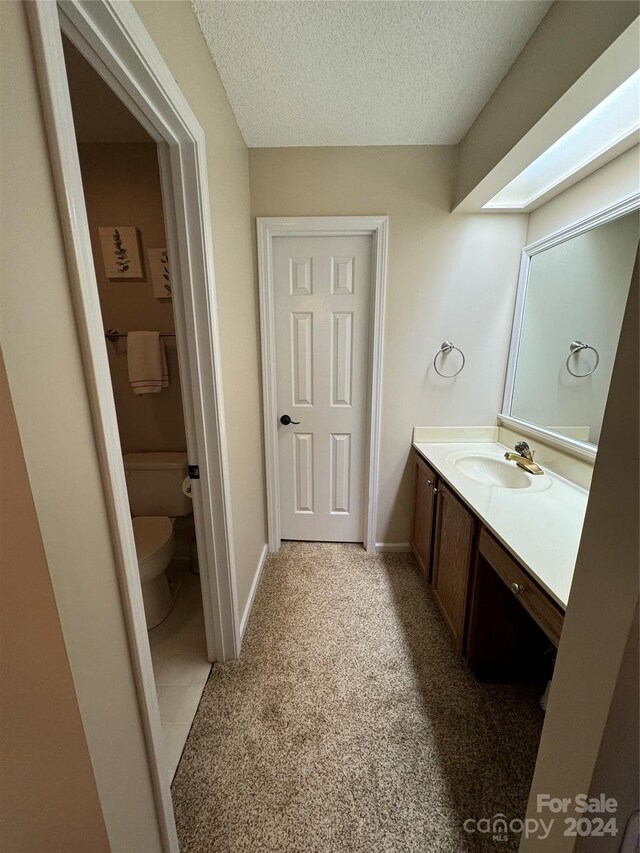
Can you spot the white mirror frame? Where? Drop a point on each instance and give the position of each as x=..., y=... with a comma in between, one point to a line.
x=582, y=449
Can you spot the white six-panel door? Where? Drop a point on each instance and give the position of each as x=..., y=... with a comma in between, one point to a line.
x=322, y=288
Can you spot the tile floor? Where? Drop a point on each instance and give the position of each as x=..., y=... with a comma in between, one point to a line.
x=180, y=665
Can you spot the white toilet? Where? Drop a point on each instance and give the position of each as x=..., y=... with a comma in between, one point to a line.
x=154, y=484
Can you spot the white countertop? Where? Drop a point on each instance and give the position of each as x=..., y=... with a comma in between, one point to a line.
x=541, y=529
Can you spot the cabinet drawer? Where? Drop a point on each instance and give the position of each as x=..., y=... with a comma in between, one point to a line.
x=535, y=600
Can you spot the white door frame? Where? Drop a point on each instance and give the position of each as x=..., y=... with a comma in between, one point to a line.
x=322, y=226
x=113, y=39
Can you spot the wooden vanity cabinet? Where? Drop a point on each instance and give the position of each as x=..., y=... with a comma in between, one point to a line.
x=452, y=560
x=424, y=506
x=512, y=620
x=499, y=616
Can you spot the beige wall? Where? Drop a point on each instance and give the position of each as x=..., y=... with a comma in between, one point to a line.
x=606, y=572
x=122, y=187
x=614, y=772
x=98, y=114
x=48, y=796
x=449, y=277
x=46, y=377
x=174, y=29
x=45, y=372
x=572, y=35
x=602, y=605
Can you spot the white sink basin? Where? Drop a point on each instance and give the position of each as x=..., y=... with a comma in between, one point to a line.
x=490, y=469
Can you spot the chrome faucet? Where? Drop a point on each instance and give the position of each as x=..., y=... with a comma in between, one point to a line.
x=523, y=457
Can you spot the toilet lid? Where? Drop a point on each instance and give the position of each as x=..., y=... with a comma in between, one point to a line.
x=151, y=533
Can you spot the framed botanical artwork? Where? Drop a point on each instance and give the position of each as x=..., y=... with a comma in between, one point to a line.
x=121, y=251
x=159, y=270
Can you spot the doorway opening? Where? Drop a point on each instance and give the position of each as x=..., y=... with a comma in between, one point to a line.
x=123, y=198
x=112, y=39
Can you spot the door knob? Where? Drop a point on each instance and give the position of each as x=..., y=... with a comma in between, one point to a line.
x=285, y=420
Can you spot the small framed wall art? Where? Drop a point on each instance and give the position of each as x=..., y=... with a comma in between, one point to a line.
x=121, y=251
x=160, y=275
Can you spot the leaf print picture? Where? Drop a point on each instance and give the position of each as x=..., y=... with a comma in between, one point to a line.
x=164, y=258
x=160, y=274
x=121, y=252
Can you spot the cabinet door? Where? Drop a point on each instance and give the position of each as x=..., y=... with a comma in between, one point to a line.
x=423, y=515
x=452, y=560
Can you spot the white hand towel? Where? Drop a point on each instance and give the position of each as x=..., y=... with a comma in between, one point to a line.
x=147, y=362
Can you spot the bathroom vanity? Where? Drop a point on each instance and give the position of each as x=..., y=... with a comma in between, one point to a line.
x=497, y=541
x=497, y=546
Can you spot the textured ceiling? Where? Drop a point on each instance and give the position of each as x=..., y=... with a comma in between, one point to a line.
x=363, y=72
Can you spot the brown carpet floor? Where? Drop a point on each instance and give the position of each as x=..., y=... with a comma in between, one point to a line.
x=349, y=724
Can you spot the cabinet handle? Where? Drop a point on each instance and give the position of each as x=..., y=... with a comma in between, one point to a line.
x=429, y=482
x=517, y=588
x=435, y=491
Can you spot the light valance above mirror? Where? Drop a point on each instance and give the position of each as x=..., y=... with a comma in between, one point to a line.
x=572, y=294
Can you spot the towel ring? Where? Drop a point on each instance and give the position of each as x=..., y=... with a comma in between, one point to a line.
x=445, y=349
x=575, y=347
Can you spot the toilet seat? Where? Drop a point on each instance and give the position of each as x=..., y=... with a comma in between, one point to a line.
x=154, y=544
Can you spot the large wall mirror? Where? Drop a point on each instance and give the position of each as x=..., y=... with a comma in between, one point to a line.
x=571, y=300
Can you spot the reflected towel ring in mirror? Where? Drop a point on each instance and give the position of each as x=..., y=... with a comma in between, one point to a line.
x=575, y=347
x=445, y=349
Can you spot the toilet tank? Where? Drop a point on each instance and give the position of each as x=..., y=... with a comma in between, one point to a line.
x=154, y=483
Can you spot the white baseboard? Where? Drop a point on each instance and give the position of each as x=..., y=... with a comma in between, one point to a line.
x=252, y=592
x=393, y=548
